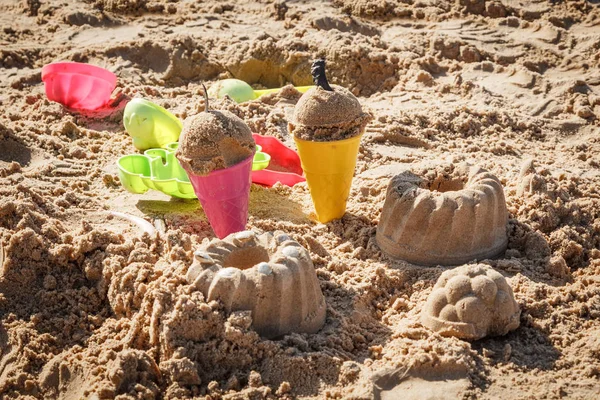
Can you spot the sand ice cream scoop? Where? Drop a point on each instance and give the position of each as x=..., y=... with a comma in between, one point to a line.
x=214, y=140
x=327, y=112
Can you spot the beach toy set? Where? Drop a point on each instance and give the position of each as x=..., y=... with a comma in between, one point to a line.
x=328, y=165
x=215, y=157
x=156, y=130
x=327, y=126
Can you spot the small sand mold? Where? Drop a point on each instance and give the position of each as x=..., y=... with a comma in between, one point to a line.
x=450, y=218
x=270, y=275
x=471, y=302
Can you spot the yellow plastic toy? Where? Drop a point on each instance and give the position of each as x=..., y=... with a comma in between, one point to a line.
x=240, y=91
x=329, y=169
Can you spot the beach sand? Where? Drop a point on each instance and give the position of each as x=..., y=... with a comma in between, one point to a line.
x=90, y=307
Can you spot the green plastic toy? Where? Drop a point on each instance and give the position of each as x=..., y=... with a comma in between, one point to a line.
x=158, y=169
x=261, y=160
x=240, y=91
x=150, y=125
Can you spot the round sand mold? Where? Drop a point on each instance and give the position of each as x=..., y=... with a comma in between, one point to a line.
x=450, y=221
x=471, y=302
x=270, y=275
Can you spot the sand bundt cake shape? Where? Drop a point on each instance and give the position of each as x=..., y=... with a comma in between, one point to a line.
x=450, y=220
x=470, y=302
x=270, y=275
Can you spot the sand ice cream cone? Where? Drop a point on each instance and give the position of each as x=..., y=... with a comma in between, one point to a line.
x=216, y=149
x=327, y=124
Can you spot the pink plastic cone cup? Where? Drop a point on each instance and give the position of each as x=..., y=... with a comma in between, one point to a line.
x=224, y=195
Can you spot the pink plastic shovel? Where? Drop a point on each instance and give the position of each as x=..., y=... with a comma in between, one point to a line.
x=224, y=195
x=78, y=86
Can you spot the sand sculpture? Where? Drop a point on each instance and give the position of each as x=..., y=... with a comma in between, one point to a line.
x=270, y=275
x=327, y=126
x=216, y=149
x=470, y=302
x=327, y=112
x=213, y=140
x=451, y=220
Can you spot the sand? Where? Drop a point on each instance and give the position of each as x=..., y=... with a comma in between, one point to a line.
x=91, y=307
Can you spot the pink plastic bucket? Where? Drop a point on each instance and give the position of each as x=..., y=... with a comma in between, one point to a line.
x=224, y=195
x=78, y=86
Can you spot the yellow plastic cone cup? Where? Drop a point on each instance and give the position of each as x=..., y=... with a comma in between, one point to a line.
x=329, y=169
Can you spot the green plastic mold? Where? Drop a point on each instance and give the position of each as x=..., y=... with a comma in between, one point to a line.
x=150, y=125
x=158, y=169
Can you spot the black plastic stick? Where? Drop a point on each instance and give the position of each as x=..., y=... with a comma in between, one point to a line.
x=318, y=73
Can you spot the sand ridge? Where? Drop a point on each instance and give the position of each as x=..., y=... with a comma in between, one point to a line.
x=89, y=305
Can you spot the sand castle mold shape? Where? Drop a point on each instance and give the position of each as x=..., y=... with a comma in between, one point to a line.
x=470, y=302
x=270, y=275
x=456, y=216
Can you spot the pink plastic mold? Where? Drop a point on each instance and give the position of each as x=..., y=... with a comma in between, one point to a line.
x=78, y=86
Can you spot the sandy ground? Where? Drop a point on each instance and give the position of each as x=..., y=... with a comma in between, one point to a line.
x=90, y=308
